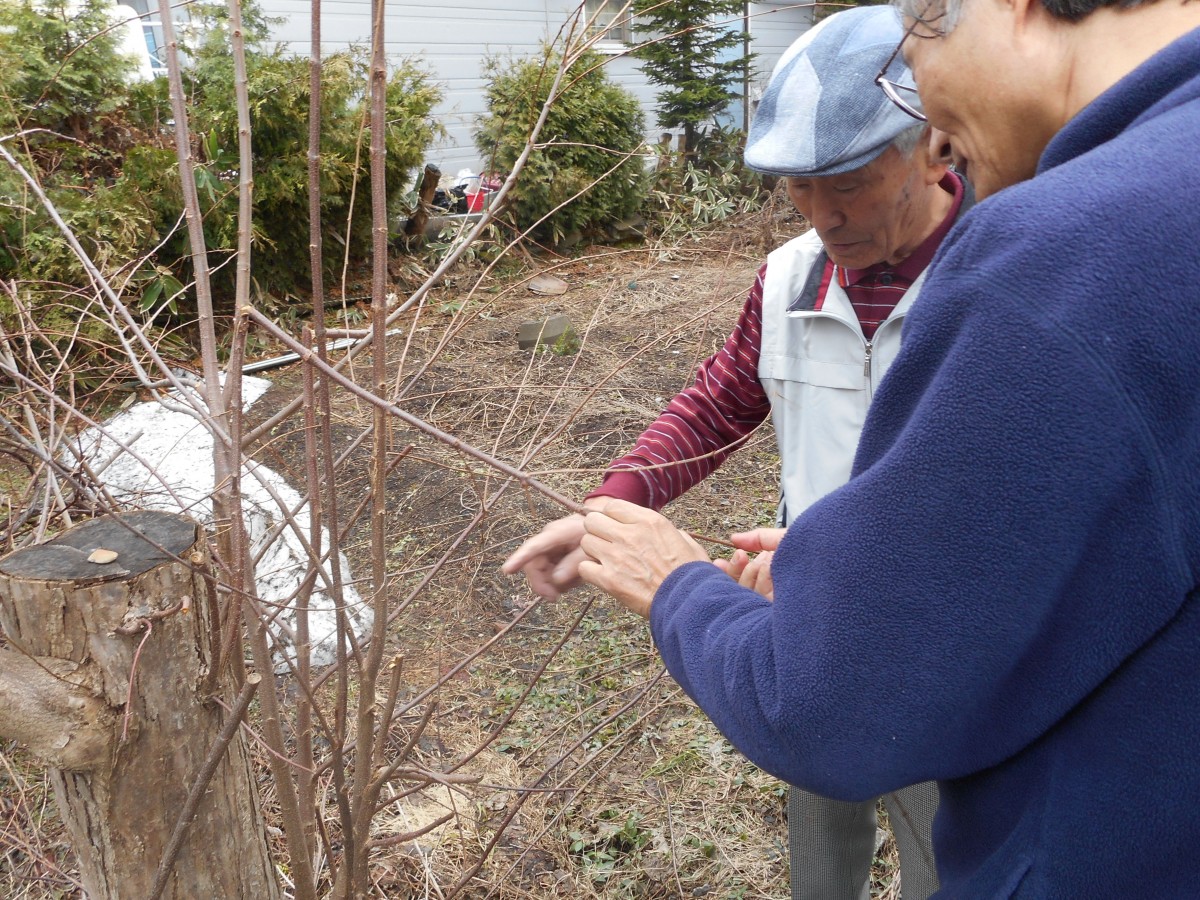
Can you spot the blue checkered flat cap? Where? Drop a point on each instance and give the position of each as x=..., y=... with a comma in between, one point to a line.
x=822, y=113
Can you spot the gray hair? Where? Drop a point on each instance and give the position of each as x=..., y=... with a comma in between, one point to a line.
x=940, y=15
x=946, y=13
x=906, y=141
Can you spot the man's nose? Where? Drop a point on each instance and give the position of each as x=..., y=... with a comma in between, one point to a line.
x=826, y=214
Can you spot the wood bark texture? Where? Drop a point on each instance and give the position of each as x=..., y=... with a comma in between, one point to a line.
x=81, y=623
x=429, y=182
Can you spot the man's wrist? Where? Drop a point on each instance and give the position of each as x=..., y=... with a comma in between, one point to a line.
x=623, y=485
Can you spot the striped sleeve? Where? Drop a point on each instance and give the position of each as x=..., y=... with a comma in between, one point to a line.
x=703, y=424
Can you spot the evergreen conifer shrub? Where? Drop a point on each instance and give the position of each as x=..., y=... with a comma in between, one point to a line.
x=694, y=53
x=102, y=148
x=278, y=86
x=590, y=145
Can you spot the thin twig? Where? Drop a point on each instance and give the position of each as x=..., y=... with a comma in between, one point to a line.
x=394, y=839
x=137, y=654
x=436, y=433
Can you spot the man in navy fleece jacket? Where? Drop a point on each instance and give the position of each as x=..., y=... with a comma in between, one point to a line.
x=1024, y=516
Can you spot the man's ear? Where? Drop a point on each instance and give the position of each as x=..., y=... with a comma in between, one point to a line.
x=936, y=150
x=1024, y=12
x=940, y=151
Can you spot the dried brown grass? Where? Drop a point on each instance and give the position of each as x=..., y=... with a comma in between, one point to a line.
x=604, y=781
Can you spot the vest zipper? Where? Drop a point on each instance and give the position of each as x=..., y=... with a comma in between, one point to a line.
x=867, y=362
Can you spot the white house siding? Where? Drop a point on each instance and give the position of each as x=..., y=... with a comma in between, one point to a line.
x=450, y=38
x=453, y=38
x=773, y=27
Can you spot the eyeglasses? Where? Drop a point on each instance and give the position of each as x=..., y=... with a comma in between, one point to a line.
x=901, y=94
x=898, y=93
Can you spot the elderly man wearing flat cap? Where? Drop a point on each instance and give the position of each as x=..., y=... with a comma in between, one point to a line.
x=818, y=331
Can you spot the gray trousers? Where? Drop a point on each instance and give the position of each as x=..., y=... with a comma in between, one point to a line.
x=832, y=844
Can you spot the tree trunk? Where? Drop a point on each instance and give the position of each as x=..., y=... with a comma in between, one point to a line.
x=429, y=182
x=81, y=630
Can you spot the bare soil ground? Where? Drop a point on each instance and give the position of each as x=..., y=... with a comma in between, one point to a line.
x=598, y=778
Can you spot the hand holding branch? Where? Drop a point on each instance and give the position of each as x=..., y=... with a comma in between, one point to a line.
x=753, y=572
x=631, y=550
x=550, y=559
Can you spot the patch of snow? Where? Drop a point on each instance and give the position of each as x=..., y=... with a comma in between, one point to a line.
x=154, y=456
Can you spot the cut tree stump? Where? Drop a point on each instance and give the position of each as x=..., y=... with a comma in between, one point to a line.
x=77, y=611
x=429, y=182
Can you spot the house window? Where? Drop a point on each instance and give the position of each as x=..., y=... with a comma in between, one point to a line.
x=610, y=20
x=154, y=47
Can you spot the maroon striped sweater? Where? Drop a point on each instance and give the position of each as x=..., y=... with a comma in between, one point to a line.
x=717, y=413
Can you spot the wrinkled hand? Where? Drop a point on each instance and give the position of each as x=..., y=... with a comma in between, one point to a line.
x=753, y=572
x=631, y=550
x=550, y=559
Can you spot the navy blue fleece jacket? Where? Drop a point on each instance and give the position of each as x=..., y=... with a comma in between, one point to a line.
x=1003, y=598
